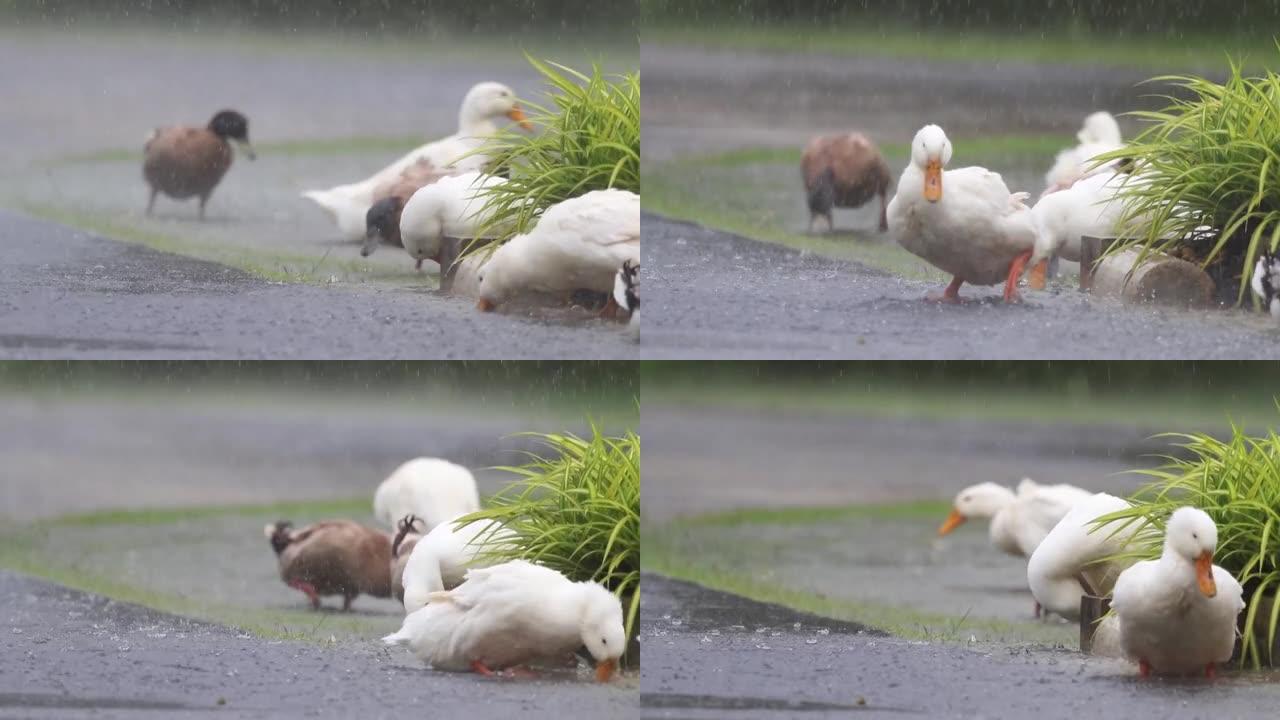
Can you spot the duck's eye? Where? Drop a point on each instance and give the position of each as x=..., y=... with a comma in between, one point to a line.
x=1194, y=536
x=604, y=641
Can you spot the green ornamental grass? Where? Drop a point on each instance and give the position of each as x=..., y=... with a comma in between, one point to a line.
x=1213, y=159
x=1237, y=482
x=577, y=510
x=587, y=138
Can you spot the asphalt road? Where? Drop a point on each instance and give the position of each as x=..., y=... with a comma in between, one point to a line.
x=67, y=294
x=67, y=654
x=712, y=655
x=711, y=294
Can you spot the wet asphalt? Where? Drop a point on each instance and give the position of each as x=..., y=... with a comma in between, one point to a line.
x=68, y=294
x=712, y=294
x=68, y=654
x=712, y=655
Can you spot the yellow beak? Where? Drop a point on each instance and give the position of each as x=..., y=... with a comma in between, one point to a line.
x=1204, y=574
x=954, y=520
x=933, y=180
x=517, y=115
x=605, y=669
x=485, y=305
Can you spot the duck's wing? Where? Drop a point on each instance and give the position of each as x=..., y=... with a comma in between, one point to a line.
x=1133, y=587
x=1229, y=588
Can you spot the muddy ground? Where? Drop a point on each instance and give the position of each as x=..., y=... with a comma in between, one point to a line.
x=712, y=294
x=323, y=111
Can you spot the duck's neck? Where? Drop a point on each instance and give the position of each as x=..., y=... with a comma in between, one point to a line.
x=1176, y=567
x=472, y=124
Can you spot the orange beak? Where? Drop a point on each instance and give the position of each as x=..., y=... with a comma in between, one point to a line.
x=485, y=305
x=605, y=669
x=933, y=180
x=517, y=115
x=954, y=520
x=1204, y=574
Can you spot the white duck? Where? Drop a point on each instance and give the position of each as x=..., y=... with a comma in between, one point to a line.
x=452, y=207
x=1099, y=134
x=1177, y=615
x=1091, y=206
x=1069, y=557
x=577, y=244
x=1266, y=283
x=484, y=107
x=964, y=222
x=1019, y=521
x=440, y=559
x=432, y=489
x=513, y=614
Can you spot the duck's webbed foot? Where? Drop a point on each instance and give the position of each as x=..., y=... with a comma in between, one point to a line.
x=1016, y=269
x=951, y=295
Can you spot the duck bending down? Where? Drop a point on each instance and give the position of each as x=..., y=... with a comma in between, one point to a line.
x=1099, y=134
x=514, y=614
x=452, y=207
x=408, y=533
x=1091, y=206
x=1177, y=614
x=440, y=559
x=430, y=489
x=1019, y=520
x=382, y=221
x=965, y=222
x=333, y=557
x=1067, y=564
x=484, y=107
x=577, y=244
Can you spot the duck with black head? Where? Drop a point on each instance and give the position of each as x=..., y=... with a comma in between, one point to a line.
x=184, y=161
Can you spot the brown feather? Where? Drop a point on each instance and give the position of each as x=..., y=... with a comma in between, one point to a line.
x=184, y=162
x=855, y=165
x=339, y=557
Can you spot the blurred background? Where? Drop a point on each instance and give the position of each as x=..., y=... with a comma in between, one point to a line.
x=822, y=485
x=144, y=481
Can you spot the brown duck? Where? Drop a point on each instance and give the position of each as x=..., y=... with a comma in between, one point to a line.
x=844, y=171
x=184, y=161
x=409, y=532
x=333, y=557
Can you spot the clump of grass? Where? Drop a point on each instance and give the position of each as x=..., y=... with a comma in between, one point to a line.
x=1209, y=158
x=576, y=510
x=1237, y=482
x=587, y=138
